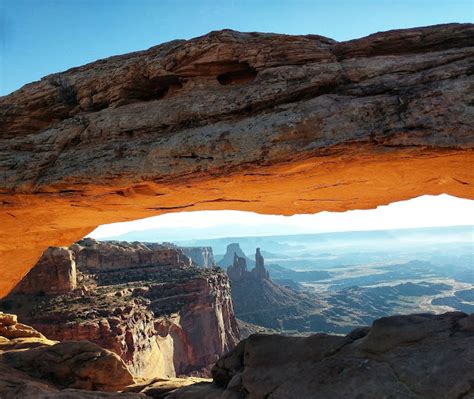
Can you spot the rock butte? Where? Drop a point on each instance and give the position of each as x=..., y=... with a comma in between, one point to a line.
x=250, y=121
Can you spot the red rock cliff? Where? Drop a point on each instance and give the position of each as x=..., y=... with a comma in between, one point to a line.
x=159, y=313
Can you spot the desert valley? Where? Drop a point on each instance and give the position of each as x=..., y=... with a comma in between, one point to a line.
x=172, y=312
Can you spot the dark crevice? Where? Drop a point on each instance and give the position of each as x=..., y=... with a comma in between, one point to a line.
x=200, y=202
x=144, y=89
x=194, y=156
x=460, y=181
x=238, y=73
x=66, y=93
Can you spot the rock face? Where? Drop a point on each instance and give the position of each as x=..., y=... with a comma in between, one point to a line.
x=75, y=364
x=159, y=313
x=259, y=122
x=78, y=365
x=259, y=300
x=238, y=270
x=229, y=257
x=11, y=329
x=55, y=273
x=94, y=256
x=259, y=270
x=412, y=357
x=201, y=256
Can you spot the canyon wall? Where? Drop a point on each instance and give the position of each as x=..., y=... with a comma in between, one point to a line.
x=201, y=256
x=413, y=357
x=145, y=302
x=259, y=122
x=55, y=273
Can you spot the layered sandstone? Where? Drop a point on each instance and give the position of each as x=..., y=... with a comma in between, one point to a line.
x=259, y=122
x=201, y=256
x=145, y=302
x=78, y=365
x=55, y=273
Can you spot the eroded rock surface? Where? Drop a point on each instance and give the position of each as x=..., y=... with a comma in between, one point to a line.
x=145, y=302
x=201, y=256
x=55, y=273
x=74, y=364
x=32, y=366
x=250, y=121
x=403, y=357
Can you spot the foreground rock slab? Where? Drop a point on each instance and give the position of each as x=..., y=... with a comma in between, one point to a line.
x=32, y=365
x=250, y=121
x=15, y=384
x=163, y=387
x=73, y=364
x=403, y=357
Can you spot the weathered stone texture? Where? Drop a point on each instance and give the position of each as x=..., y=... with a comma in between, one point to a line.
x=145, y=302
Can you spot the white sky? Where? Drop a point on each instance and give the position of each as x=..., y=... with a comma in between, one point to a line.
x=424, y=211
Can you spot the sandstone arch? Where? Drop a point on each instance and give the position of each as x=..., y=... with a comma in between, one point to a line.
x=250, y=121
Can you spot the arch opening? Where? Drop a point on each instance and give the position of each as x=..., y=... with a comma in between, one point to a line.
x=178, y=291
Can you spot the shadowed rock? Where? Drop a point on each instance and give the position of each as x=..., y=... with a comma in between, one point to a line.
x=412, y=357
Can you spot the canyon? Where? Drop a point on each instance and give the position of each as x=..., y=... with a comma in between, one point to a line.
x=260, y=301
x=406, y=357
x=335, y=282
x=148, y=303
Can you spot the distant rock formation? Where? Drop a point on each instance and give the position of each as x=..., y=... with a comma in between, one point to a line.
x=238, y=270
x=146, y=302
x=259, y=271
x=98, y=256
x=259, y=300
x=201, y=256
x=228, y=258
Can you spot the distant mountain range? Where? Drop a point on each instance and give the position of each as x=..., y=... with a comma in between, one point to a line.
x=217, y=236
x=280, y=244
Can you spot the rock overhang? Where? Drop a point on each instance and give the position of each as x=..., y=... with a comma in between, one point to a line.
x=261, y=122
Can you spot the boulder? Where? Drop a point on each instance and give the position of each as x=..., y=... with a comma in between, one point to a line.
x=79, y=364
x=11, y=329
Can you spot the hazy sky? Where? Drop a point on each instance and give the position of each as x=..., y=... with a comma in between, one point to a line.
x=39, y=37
x=423, y=211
